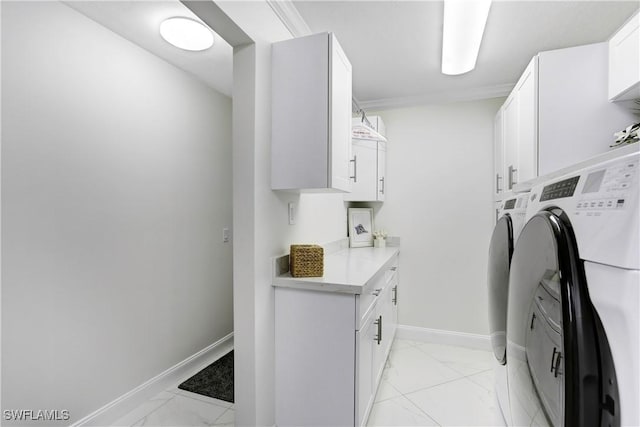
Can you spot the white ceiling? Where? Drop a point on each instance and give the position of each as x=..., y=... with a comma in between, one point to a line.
x=139, y=21
x=394, y=46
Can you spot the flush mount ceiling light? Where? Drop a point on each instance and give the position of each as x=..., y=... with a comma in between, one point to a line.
x=186, y=33
x=464, y=22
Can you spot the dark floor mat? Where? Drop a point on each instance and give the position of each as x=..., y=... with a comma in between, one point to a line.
x=216, y=380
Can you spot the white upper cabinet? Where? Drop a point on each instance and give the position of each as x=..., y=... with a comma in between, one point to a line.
x=369, y=167
x=382, y=171
x=624, y=61
x=498, y=154
x=527, y=147
x=557, y=115
x=378, y=125
x=519, y=130
x=311, y=115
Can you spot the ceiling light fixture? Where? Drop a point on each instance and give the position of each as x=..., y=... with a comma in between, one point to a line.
x=186, y=33
x=464, y=22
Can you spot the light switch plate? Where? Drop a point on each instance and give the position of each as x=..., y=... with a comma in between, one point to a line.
x=292, y=213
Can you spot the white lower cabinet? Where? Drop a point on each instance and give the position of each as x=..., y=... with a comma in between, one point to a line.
x=366, y=343
x=331, y=348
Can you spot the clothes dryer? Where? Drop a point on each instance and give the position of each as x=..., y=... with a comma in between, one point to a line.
x=573, y=328
x=511, y=219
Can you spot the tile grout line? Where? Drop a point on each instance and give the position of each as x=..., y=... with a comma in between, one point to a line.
x=149, y=413
x=222, y=415
x=202, y=398
x=423, y=411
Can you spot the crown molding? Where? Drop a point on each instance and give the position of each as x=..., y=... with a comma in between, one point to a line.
x=486, y=92
x=290, y=17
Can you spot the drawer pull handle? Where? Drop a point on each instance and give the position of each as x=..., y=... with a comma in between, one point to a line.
x=377, y=292
x=378, y=337
x=555, y=362
x=533, y=318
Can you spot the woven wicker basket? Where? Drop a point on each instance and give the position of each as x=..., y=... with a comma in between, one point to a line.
x=306, y=261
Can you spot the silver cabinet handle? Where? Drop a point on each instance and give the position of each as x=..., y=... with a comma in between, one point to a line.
x=376, y=292
x=382, y=185
x=512, y=180
x=395, y=295
x=498, y=179
x=378, y=337
x=355, y=168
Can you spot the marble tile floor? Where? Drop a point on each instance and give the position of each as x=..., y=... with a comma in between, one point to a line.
x=426, y=384
x=175, y=407
x=423, y=384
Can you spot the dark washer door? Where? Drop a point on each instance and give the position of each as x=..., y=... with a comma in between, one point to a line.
x=500, y=251
x=559, y=370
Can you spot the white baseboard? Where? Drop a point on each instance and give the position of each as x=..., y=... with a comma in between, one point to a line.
x=119, y=407
x=439, y=336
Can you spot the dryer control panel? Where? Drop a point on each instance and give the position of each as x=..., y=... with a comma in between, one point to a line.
x=557, y=190
x=608, y=188
x=603, y=207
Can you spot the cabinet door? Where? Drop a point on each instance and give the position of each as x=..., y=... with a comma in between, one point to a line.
x=624, y=61
x=394, y=307
x=364, y=172
x=365, y=343
x=498, y=154
x=510, y=129
x=520, y=129
x=340, y=125
x=311, y=115
x=527, y=97
x=382, y=171
x=388, y=323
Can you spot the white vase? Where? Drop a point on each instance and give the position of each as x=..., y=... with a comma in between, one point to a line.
x=379, y=243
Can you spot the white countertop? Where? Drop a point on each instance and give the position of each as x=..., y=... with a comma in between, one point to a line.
x=347, y=271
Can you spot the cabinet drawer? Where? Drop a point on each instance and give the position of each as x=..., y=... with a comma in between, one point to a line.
x=386, y=277
x=369, y=297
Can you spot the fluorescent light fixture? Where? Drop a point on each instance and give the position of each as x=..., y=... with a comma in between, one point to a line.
x=186, y=33
x=464, y=22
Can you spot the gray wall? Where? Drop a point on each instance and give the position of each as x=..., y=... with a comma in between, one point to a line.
x=439, y=201
x=116, y=184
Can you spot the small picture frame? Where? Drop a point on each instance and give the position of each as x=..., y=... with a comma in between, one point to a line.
x=360, y=227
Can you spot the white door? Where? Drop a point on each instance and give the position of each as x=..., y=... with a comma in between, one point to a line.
x=498, y=154
x=365, y=342
x=528, y=123
x=510, y=128
x=340, y=126
x=382, y=168
x=363, y=173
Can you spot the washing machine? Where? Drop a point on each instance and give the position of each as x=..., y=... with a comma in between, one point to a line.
x=573, y=328
x=510, y=220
